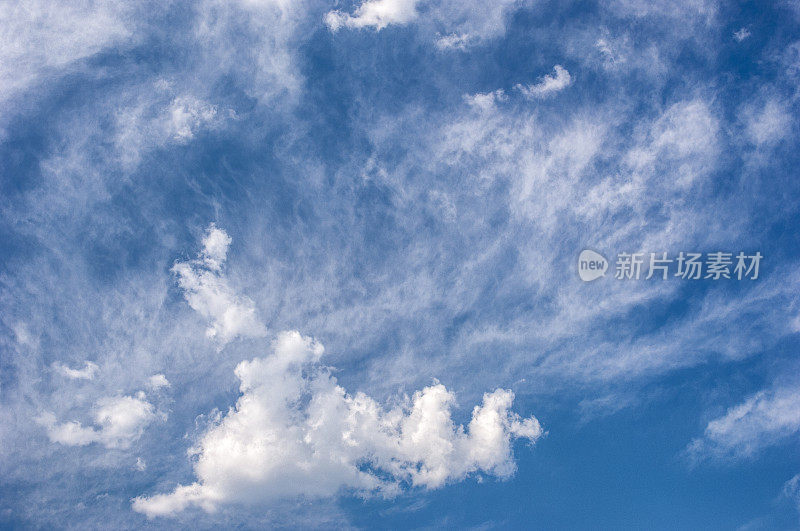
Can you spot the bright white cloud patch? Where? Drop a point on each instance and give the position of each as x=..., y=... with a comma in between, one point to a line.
x=295, y=432
x=119, y=422
x=215, y=247
x=762, y=420
x=86, y=373
x=457, y=24
x=485, y=101
x=187, y=115
x=375, y=14
x=208, y=292
x=158, y=381
x=549, y=84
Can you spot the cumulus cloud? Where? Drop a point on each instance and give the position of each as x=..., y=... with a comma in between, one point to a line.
x=86, y=373
x=158, y=381
x=764, y=419
x=295, y=432
x=375, y=14
x=549, y=84
x=208, y=292
x=119, y=422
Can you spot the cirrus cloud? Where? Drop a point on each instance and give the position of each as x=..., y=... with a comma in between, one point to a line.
x=764, y=419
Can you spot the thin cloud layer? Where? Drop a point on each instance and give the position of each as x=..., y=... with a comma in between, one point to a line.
x=41, y=37
x=764, y=419
x=559, y=80
x=791, y=490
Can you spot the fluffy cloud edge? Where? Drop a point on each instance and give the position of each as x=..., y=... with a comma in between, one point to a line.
x=208, y=291
x=294, y=432
x=550, y=84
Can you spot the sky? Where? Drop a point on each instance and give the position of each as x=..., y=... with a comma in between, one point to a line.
x=315, y=264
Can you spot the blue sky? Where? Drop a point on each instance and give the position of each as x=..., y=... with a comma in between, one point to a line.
x=313, y=264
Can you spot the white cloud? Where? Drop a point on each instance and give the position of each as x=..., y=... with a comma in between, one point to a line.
x=618, y=54
x=467, y=23
x=741, y=34
x=119, y=421
x=549, y=84
x=155, y=116
x=764, y=419
x=690, y=12
x=376, y=14
x=215, y=247
x=549, y=168
x=295, y=432
x=158, y=381
x=208, y=292
x=610, y=54
x=87, y=373
x=485, y=101
x=265, y=59
x=791, y=490
x=767, y=123
x=683, y=128
x=455, y=41
x=187, y=115
x=464, y=22
x=23, y=336
x=685, y=137
x=40, y=36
